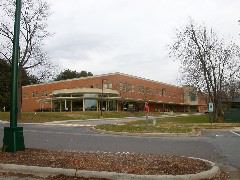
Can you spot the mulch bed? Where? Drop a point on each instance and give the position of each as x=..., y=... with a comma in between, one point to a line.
x=132, y=163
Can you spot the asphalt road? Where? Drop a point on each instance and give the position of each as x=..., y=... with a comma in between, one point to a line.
x=221, y=147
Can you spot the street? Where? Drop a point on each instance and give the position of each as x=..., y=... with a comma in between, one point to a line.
x=220, y=146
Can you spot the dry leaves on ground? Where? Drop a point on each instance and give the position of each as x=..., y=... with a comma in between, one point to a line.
x=105, y=161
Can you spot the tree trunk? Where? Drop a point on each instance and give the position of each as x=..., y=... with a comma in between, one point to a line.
x=218, y=115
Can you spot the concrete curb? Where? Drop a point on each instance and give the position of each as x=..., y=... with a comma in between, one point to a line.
x=1, y=121
x=48, y=171
x=192, y=134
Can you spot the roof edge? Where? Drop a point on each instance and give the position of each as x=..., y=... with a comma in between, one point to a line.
x=101, y=75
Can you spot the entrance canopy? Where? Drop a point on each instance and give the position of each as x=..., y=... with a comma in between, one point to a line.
x=85, y=91
x=82, y=99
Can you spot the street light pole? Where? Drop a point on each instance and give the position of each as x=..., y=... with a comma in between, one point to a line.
x=102, y=99
x=13, y=136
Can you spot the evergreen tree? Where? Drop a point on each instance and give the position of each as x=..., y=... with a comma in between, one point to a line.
x=69, y=74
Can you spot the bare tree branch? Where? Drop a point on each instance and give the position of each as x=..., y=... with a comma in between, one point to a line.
x=207, y=62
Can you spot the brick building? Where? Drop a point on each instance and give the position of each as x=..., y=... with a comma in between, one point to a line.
x=112, y=92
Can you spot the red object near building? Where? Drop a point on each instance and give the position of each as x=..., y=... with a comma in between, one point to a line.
x=146, y=107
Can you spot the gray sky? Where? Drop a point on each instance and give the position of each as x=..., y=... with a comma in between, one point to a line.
x=130, y=36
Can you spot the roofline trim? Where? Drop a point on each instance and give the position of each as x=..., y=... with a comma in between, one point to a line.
x=102, y=75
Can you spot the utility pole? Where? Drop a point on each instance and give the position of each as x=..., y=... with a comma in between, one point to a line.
x=102, y=99
x=13, y=136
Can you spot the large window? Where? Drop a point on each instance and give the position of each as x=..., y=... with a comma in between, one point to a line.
x=90, y=104
x=112, y=105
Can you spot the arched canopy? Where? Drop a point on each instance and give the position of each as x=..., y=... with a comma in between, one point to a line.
x=85, y=91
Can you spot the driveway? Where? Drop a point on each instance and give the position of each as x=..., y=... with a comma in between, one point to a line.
x=221, y=147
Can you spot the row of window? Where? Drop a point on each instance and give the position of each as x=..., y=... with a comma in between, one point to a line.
x=126, y=87
x=36, y=94
x=106, y=85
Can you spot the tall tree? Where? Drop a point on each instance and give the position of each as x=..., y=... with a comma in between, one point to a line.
x=33, y=32
x=5, y=76
x=208, y=63
x=4, y=85
x=69, y=74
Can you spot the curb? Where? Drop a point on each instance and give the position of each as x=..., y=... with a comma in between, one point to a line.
x=192, y=134
x=48, y=171
x=68, y=125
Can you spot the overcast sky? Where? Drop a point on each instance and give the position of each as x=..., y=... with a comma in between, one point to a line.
x=130, y=36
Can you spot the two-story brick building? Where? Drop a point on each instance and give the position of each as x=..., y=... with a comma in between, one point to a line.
x=111, y=92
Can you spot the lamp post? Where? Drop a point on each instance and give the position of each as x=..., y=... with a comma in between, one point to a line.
x=13, y=136
x=102, y=99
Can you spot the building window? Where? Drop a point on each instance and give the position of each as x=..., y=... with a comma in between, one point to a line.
x=120, y=86
x=34, y=94
x=126, y=87
x=192, y=97
x=141, y=89
x=132, y=88
x=110, y=86
x=90, y=104
x=105, y=86
x=123, y=87
x=163, y=92
x=148, y=90
x=98, y=86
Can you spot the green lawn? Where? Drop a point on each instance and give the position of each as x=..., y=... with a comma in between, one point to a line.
x=179, y=124
x=175, y=120
x=58, y=116
x=144, y=129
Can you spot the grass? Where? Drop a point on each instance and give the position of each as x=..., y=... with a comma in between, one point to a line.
x=144, y=129
x=60, y=116
x=174, y=120
x=179, y=124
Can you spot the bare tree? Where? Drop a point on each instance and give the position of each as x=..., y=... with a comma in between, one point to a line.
x=208, y=63
x=32, y=57
x=33, y=32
